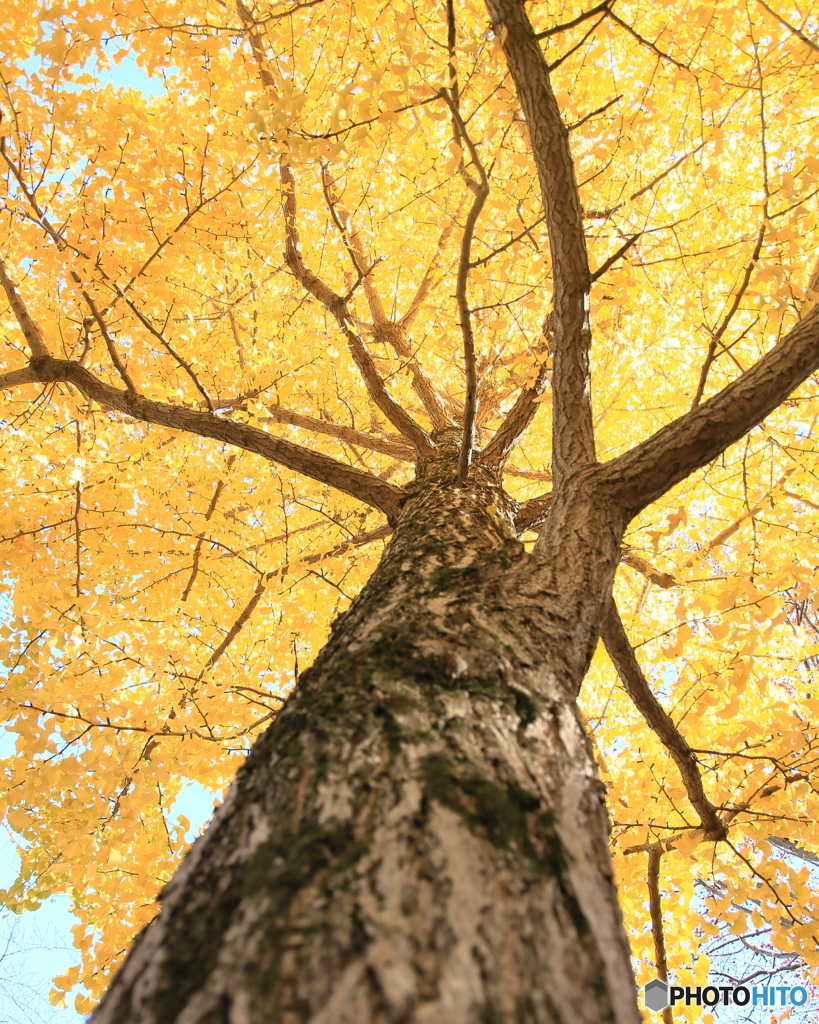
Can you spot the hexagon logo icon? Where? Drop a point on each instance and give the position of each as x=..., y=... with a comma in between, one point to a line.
x=656, y=995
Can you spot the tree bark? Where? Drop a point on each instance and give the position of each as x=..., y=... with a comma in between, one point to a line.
x=421, y=835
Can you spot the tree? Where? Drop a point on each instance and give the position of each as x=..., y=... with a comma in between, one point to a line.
x=305, y=301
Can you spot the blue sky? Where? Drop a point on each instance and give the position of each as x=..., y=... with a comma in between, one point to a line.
x=37, y=945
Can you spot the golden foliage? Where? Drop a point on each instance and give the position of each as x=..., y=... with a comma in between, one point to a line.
x=130, y=553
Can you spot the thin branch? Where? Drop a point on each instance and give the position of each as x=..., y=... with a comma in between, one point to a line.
x=361, y=264
x=39, y=214
x=480, y=192
x=183, y=363
x=592, y=113
x=110, y=345
x=581, y=42
x=397, y=448
x=237, y=627
x=157, y=733
x=528, y=474
x=791, y=28
x=336, y=305
x=661, y=579
x=605, y=214
x=77, y=538
x=615, y=256
x=599, y=9
x=732, y=528
x=217, y=491
x=645, y=42
x=636, y=685
x=361, y=485
x=356, y=541
x=505, y=246
x=386, y=330
x=426, y=281
x=517, y=419
x=656, y=910
x=716, y=337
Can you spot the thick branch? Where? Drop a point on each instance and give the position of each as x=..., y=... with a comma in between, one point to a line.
x=628, y=668
x=532, y=513
x=381, y=495
x=25, y=375
x=573, y=434
x=647, y=471
x=517, y=420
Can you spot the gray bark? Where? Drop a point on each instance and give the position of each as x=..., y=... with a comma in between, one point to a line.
x=421, y=835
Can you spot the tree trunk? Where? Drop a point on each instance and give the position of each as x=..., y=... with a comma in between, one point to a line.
x=421, y=835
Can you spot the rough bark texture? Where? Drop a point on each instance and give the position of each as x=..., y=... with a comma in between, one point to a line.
x=420, y=838
x=421, y=835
